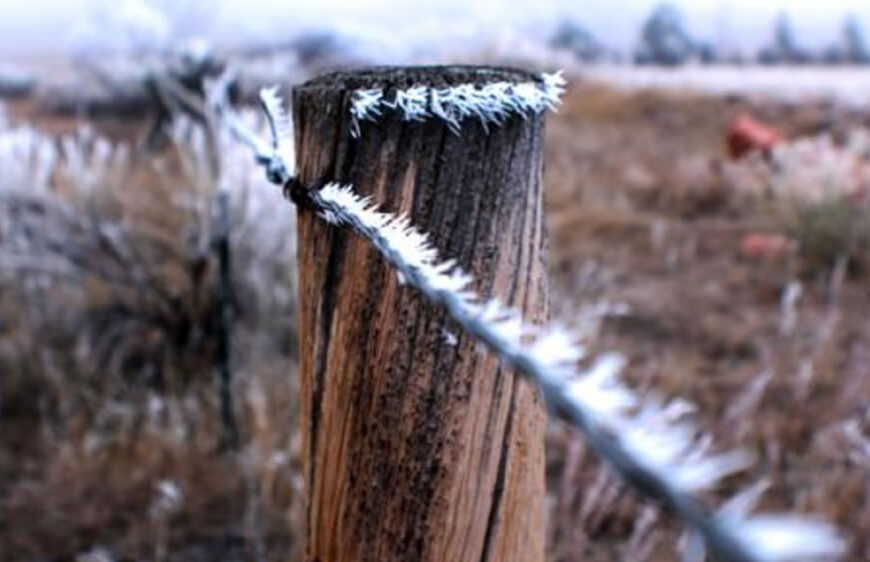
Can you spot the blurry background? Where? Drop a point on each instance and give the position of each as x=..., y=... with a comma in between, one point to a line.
x=743, y=25
x=708, y=184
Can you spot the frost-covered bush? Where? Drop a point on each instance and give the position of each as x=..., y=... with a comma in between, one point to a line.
x=111, y=257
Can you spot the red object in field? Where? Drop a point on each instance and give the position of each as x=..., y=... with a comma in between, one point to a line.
x=747, y=134
x=766, y=246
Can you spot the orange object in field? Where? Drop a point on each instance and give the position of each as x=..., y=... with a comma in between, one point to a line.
x=747, y=134
x=760, y=246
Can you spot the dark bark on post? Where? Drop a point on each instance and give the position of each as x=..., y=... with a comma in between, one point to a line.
x=417, y=449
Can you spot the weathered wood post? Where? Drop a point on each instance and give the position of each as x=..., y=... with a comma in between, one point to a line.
x=419, y=446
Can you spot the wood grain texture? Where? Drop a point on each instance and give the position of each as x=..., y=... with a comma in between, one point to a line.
x=416, y=449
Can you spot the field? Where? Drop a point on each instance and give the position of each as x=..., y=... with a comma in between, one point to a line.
x=110, y=431
x=846, y=84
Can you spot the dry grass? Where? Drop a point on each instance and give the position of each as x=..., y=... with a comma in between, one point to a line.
x=643, y=211
x=109, y=301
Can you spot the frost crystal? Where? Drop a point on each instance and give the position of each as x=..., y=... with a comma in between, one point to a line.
x=491, y=104
x=364, y=106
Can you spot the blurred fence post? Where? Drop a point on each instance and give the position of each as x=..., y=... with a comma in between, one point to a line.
x=230, y=432
x=418, y=445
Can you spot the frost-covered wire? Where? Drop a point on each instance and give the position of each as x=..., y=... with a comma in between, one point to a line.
x=490, y=103
x=279, y=123
x=653, y=445
x=276, y=156
x=647, y=442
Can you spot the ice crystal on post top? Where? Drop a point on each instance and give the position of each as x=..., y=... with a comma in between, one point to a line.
x=412, y=103
x=365, y=106
x=489, y=103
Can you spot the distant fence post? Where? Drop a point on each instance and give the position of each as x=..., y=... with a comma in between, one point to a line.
x=418, y=445
x=229, y=428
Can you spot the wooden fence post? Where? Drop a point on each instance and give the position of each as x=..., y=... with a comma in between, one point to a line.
x=419, y=446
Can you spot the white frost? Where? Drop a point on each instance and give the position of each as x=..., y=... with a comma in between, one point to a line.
x=489, y=103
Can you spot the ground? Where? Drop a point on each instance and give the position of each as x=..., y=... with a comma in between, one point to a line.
x=643, y=213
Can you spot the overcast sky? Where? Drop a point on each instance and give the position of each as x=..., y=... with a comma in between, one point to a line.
x=60, y=25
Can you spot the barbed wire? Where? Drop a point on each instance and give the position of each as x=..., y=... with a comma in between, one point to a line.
x=650, y=443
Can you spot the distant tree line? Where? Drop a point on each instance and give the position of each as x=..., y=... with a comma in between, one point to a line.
x=664, y=40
